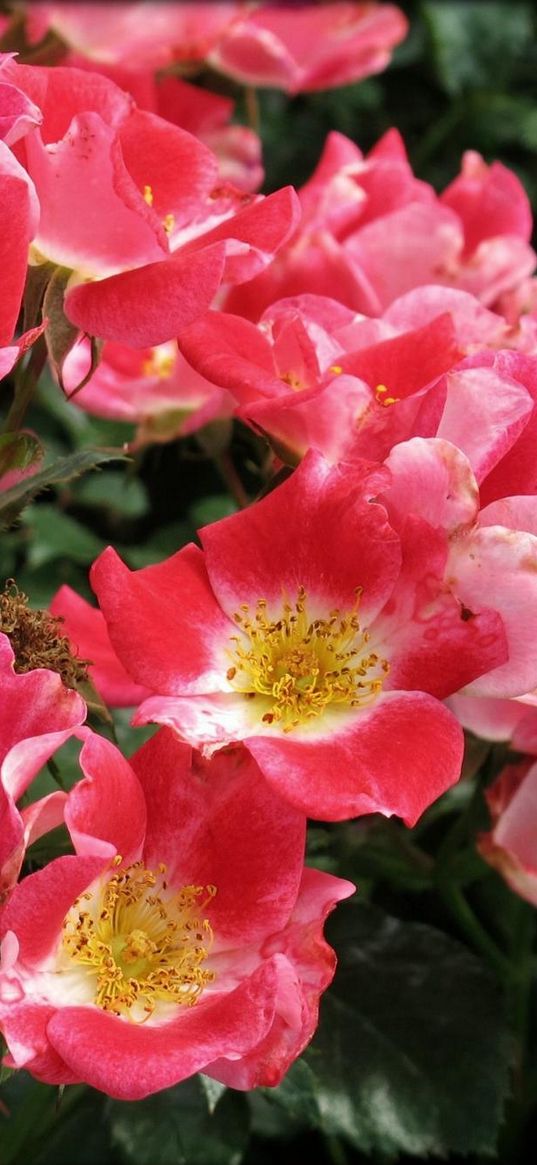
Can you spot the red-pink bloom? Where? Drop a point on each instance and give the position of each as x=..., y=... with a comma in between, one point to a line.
x=204, y=114
x=18, y=115
x=292, y=47
x=511, y=844
x=187, y=887
x=313, y=374
x=154, y=388
x=158, y=234
x=301, y=47
x=492, y=555
x=37, y=714
x=86, y=631
x=371, y=231
x=149, y=34
x=19, y=215
x=324, y=635
x=509, y=720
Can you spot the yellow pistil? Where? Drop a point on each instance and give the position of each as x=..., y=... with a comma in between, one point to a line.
x=296, y=667
x=141, y=945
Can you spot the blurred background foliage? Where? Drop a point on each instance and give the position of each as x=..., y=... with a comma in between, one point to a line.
x=426, y=1038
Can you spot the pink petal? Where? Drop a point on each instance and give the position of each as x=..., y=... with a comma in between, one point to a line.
x=484, y=414
x=117, y=230
x=19, y=211
x=177, y=645
x=39, y=904
x=179, y=170
x=235, y=834
x=105, y=813
x=305, y=970
x=397, y=757
x=406, y=363
x=150, y=304
x=497, y=567
x=253, y=234
x=130, y=1061
x=434, y=480
x=86, y=629
x=314, y=531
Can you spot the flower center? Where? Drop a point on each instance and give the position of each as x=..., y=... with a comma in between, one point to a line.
x=141, y=945
x=300, y=666
x=160, y=362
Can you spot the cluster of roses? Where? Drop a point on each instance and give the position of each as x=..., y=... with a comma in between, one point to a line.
x=298, y=663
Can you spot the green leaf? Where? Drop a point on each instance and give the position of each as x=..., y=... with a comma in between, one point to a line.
x=177, y=1127
x=297, y=1094
x=57, y=535
x=19, y=451
x=412, y=1054
x=476, y=45
x=30, y=1119
x=108, y=490
x=211, y=509
x=165, y=541
x=13, y=501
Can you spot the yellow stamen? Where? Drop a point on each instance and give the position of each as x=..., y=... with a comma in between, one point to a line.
x=148, y=195
x=160, y=363
x=168, y=223
x=382, y=399
x=292, y=380
x=141, y=945
x=336, y=369
x=296, y=667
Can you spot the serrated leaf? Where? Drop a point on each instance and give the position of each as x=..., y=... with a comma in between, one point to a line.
x=176, y=1127
x=213, y=1090
x=297, y=1094
x=412, y=1054
x=13, y=501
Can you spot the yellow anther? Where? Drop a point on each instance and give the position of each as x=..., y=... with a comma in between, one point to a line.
x=148, y=195
x=168, y=223
x=139, y=948
x=382, y=399
x=336, y=369
x=296, y=667
x=160, y=363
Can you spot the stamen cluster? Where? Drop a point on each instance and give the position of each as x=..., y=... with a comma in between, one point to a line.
x=302, y=665
x=142, y=946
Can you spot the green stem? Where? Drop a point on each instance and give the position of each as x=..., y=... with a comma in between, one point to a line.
x=335, y=1150
x=231, y=479
x=55, y=774
x=25, y=384
x=470, y=926
x=252, y=109
x=522, y=958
